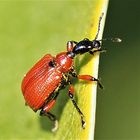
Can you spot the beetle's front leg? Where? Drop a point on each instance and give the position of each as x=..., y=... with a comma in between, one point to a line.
x=71, y=95
x=86, y=77
x=99, y=50
x=90, y=78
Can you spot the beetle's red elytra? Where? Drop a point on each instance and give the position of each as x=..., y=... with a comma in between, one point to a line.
x=42, y=84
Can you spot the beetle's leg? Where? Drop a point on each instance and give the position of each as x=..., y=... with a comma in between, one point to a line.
x=70, y=45
x=45, y=112
x=71, y=93
x=51, y=117
x=73, y=72
x=99, y=50
x=85, y=77
x=90, y=78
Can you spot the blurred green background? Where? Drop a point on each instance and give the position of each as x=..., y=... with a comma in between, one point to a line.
x=29, y=29
x=118, y=106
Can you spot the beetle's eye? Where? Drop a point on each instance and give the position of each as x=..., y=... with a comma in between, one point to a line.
x=96, y=44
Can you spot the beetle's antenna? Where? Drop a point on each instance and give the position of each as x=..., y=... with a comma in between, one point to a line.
x=112, y=39
x=99, y=26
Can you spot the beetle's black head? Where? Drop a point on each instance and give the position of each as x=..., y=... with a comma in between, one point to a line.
x=86, y=46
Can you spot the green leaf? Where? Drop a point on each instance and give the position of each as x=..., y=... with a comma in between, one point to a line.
x=29, y=30
x=70, y=125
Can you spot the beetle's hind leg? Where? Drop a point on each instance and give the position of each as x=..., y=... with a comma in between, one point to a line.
x=51, y=117
x=45, y=111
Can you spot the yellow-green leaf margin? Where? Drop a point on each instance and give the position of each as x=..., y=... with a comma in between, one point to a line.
x=69, y=124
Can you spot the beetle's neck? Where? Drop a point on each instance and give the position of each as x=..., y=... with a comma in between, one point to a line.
x=71, y=54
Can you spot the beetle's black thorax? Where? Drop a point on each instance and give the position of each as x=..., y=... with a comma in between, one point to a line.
x=83, y=47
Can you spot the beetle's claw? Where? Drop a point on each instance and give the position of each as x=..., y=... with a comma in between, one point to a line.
x=55, y=126
x=103, y=51
x=100, y=84
x=83, y=124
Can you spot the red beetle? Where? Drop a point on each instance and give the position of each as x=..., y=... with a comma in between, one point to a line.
x=41, y=85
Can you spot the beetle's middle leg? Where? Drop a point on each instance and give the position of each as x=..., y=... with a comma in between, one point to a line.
x=71, y=93
x=45, y=111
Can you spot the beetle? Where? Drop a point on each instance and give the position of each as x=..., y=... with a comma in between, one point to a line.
x=42, y=84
